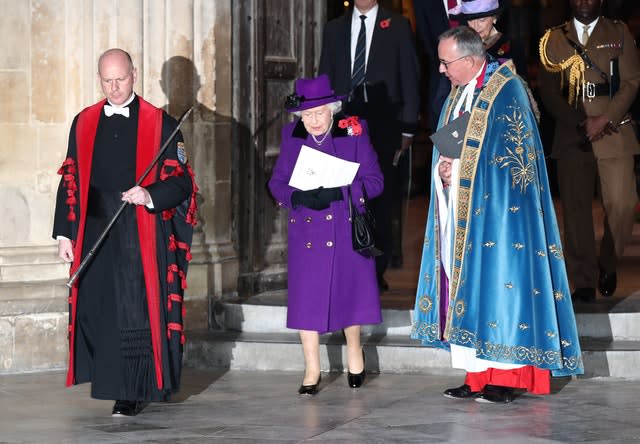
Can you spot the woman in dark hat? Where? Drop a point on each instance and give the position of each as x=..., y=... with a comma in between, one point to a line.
x=481, y=16
x=331, y=287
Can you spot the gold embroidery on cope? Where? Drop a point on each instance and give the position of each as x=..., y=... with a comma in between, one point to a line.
x=555, y=251
x=425, y=304
x=426, y=331
x=460, y=308
x=521, y=154
x=518, y=354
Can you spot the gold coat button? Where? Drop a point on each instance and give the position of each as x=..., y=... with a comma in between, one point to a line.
x=292, y=220
x=308, y=219
x=362, y=200
x=329, y=244
x=329, y=217
x=308, y=244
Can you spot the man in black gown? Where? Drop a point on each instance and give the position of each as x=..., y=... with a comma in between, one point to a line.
x=125, y=309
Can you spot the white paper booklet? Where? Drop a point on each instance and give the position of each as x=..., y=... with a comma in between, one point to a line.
x=316, y=169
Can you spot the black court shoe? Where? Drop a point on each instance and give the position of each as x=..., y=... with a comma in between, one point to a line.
x=462, y=392
x=355, y=380
x=128, y=408
x=607, y=283
x=310, y=389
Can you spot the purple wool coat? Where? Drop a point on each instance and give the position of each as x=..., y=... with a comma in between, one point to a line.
x=330, y=285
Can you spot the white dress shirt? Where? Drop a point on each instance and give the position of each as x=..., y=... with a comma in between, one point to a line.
x=369, y=23
x=579, y=26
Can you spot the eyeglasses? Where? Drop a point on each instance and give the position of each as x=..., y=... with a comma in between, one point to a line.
x=446, y=64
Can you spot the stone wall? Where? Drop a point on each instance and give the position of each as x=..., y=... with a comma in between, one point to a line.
x=48, y=55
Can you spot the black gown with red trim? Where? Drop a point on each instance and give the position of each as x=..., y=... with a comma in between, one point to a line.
x=110, y=324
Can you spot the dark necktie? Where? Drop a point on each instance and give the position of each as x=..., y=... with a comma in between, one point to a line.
x=359, y=60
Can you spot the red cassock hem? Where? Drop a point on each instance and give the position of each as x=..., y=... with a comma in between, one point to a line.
x=532, y=379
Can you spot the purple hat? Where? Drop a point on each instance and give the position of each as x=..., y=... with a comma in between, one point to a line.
x=474, y=9
x=311, y=93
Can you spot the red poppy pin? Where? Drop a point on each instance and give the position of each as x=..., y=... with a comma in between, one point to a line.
x=352, y=125
x=384, y=24
x=505, y=48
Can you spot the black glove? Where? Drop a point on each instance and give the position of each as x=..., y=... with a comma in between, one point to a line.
x=328, y=195
x=317, y=199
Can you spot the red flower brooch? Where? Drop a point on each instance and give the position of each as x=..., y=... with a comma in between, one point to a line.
x=352, y=125
x=384, y=24
x=505, y=48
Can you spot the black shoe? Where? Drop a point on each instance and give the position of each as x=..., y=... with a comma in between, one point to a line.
x=462, y=392
x=607, y=283
x=584, y=294
x=495, y=394
x=382, y=283
x=355, y=380
x=128, y=408
x=310, y=389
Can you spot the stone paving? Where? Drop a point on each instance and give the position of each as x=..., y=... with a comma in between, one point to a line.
x=221, y=406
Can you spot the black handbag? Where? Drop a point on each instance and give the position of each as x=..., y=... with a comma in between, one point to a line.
x=363, y=228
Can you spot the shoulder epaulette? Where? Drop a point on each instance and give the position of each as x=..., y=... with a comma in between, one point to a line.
x=561, y=25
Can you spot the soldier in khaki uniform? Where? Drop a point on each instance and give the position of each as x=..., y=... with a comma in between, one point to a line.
x=589, y=81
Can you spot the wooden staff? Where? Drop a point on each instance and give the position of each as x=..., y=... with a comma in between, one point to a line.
x=98, y=242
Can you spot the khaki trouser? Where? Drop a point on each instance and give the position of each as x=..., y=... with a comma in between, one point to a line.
x=576, y=179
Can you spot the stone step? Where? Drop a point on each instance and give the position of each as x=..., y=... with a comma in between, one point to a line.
x=24, y=298
x=384, y=354
x=267, y=313
x=17, y=264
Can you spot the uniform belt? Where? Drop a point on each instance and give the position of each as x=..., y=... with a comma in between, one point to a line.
x=591, y=90
x=596, y=89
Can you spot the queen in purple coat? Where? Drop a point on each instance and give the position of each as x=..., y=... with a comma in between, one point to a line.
x=331, y=287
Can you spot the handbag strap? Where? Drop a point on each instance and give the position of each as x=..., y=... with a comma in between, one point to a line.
x=365, y=200
x=351, y=208
x=364, y=195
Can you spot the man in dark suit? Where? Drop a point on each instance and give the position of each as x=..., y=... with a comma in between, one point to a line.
x=380, y=79
x=432, y=20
